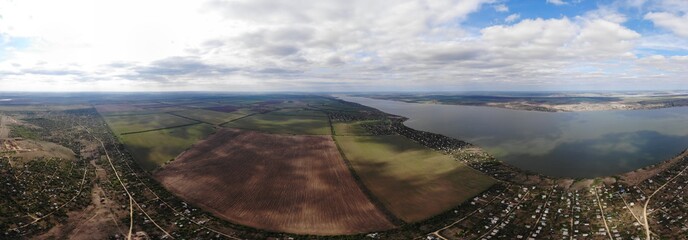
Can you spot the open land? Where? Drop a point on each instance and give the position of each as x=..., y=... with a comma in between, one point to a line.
x=414, y=182
x=27, y=149
x=297, y=184
x=155, y=148
x=89, y=183
x=127, y=124
x=351, y=128
x=211, y=116
x=285, y=122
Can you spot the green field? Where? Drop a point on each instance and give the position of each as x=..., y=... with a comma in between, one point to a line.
x=212, y=117
x=134, y=123
x=412, y=181
x=351, y=128
x=24, y=132
x=155, y=148
x=285, y=122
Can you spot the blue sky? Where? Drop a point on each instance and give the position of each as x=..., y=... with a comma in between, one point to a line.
x=354, y=45
x=532, y=9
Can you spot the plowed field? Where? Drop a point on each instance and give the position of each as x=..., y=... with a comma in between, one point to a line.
x=296, y=184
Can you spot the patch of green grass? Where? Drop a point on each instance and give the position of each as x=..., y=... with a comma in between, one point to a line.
x=286, y=122
x=212, y=117
x=24, y=132
x=42, y=149
x=135, y=123
x=412, y=181
x=155, y=148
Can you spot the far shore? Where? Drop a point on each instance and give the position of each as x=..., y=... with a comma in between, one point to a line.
x=553, y=103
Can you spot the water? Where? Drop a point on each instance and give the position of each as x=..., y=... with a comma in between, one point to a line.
x=563, y=144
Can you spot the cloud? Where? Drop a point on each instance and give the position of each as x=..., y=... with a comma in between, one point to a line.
x=512, y=18
x=678, y=24
x=663, y=42
x=557, y=2
x=501, y=8
x=164, y=69
x=361, y=45
x=278, y=71
x=182, y=66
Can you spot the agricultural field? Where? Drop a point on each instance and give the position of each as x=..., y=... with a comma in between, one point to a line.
x=351, y=128
x=212, y=117
x=154, y=148
x=412, y=181
x=223, y=108
x=289, y=121
x=295, y=184
x=123, y=124
x=112, y=109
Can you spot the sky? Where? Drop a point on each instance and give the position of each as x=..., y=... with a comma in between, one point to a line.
x=348, y=45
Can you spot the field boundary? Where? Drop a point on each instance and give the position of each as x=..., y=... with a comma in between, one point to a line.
x=128, y=114
x=158, y=129
x=369, y=194
x=192, y=119
x=242, y=117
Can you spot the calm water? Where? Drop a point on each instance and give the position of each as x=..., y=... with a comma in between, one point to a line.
x=581, y=144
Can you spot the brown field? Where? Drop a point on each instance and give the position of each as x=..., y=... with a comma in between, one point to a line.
x=285, y=183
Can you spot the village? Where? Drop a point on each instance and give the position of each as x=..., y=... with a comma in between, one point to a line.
x=532, y=206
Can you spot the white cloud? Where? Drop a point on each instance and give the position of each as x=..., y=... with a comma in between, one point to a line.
x=557, y=2
x=607, y=13
x=512, y=18
x=665, y=42
x=308, y=45
x=501, y=8
x=678, y=24
x=636, y=3
x=259, y=39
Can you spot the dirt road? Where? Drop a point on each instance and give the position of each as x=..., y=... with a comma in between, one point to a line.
x=4, y=129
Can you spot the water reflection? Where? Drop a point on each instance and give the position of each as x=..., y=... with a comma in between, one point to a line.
x=582, y=144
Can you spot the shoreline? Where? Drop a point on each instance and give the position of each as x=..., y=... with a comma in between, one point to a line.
x=545, y=107
x=480, y=160
x=506, y=172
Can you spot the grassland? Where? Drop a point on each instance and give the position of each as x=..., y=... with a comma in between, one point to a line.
x=285, y=122
x=107, y=109
x=28, y=150
x=351, y=128
x=412, y=181
x=155, y=148
x=212, y=117
x=122, y=124
x=24, y=132
x=296, y=184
